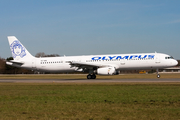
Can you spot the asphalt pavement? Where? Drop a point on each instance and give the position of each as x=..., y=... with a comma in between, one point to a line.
x=88, y=80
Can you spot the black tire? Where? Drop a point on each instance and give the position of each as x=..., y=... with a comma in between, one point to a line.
x=89, y=77
x=93, y=76
x=158, y=76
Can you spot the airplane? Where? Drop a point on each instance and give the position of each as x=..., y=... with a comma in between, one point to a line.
x=93, y=64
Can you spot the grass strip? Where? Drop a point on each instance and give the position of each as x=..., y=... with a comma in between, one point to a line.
x=104, y=101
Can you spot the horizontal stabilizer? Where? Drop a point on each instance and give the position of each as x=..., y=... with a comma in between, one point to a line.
x=11, y=62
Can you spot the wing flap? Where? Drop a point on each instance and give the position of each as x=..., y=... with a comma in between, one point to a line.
x=79, y=64
x=83, y=65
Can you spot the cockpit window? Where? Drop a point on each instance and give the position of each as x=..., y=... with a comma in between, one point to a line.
x=170, y=57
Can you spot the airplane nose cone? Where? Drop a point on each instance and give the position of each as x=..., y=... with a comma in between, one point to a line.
x=175, y=62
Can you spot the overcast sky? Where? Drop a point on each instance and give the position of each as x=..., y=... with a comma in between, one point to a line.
x=88, y=27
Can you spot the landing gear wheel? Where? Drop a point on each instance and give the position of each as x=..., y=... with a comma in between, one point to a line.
x=157, y=72
x=93, y=76
x=89, y=76
x=158, y=75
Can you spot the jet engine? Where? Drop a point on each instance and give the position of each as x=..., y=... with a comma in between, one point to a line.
x=106, y=71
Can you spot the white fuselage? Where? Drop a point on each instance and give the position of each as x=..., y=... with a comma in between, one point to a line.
x=118, y=61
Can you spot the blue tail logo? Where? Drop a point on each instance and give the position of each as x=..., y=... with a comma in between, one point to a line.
x=17, y=49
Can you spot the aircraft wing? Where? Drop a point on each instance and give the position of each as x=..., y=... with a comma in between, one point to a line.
x=86, y=66
x=81, y=64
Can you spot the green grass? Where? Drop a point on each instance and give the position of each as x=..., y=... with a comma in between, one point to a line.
x=91, y=101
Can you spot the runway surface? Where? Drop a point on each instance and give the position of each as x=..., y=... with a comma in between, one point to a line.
x=88, y=81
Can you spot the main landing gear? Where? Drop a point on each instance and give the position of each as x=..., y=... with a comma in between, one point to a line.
x=91, y=76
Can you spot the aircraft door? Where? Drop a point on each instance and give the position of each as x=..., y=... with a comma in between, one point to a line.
x=157, y=58
x=34, y=64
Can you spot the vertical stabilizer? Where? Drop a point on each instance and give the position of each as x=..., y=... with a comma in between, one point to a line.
x=19, y=52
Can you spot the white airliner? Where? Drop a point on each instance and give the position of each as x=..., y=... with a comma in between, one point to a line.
x=92, y=64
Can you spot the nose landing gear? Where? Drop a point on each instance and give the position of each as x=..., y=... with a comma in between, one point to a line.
x=158, y=76
x=157, y=72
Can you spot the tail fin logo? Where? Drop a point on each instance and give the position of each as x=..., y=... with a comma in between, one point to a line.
x=17, y=49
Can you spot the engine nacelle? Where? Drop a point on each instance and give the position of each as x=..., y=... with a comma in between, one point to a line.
x=106, y=71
